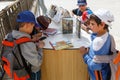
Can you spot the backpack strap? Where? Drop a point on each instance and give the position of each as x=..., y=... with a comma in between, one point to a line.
x=2, y=72
x=21, y=41
x=27, y=68
x=113, y=46
x=116, y=60
x=17, y=41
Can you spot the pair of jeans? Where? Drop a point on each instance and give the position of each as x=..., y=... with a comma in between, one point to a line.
x=36, y=76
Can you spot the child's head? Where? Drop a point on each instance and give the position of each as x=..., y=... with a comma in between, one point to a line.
x=101, y=19
x=26, y=21
x=82, y=4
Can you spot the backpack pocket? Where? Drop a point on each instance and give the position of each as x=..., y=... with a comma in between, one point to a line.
x=20, y=74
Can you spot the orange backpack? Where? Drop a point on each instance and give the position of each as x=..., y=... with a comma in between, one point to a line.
x=13, y=63
x=116, y=61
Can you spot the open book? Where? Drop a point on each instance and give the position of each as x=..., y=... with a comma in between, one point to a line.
x=61, y=45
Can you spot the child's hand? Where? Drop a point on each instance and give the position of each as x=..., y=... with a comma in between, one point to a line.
x=35, y=39
x=41, y=44
x=37, y=35
x=83, y=50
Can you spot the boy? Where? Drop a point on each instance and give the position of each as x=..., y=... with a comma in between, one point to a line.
x=100, y=21
x=82, y=6
x=27, y=21
x=82, y=13
x=31, y=52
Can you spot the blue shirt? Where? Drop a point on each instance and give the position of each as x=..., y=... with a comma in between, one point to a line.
x=92, y=66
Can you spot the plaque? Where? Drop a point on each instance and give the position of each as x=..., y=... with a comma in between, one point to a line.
x=67, y=25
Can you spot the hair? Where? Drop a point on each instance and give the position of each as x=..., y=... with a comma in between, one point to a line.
x=19, y=25
x=98, y=21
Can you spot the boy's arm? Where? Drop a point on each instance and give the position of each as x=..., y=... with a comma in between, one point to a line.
x=30, y=53
x=74, y=12
x=91, y=64
x=89, y=61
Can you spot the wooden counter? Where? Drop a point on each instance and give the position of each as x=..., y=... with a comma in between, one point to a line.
x=63, y=65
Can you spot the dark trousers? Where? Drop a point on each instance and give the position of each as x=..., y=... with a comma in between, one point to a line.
x=36, y=76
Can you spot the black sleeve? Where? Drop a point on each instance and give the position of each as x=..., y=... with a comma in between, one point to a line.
x=75, y=11
x=35, y=31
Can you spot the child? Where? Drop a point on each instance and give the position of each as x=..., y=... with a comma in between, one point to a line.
x=82, y=6
x=31, y=52
x=100, y=21
x=82, y=13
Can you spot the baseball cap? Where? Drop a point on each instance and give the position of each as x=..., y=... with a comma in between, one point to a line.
x=105, y=16
x=26, y=16
x=81, y=2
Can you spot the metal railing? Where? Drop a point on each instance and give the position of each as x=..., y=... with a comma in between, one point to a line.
x=9, y=14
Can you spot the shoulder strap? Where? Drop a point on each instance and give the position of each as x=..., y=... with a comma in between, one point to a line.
x=21, y=41
x=17, y=41
x=114, y=50
x=113, y=46
x=27, y=67
x=2, y=72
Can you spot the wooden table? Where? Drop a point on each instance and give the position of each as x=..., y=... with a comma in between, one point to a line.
x=64, y=64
